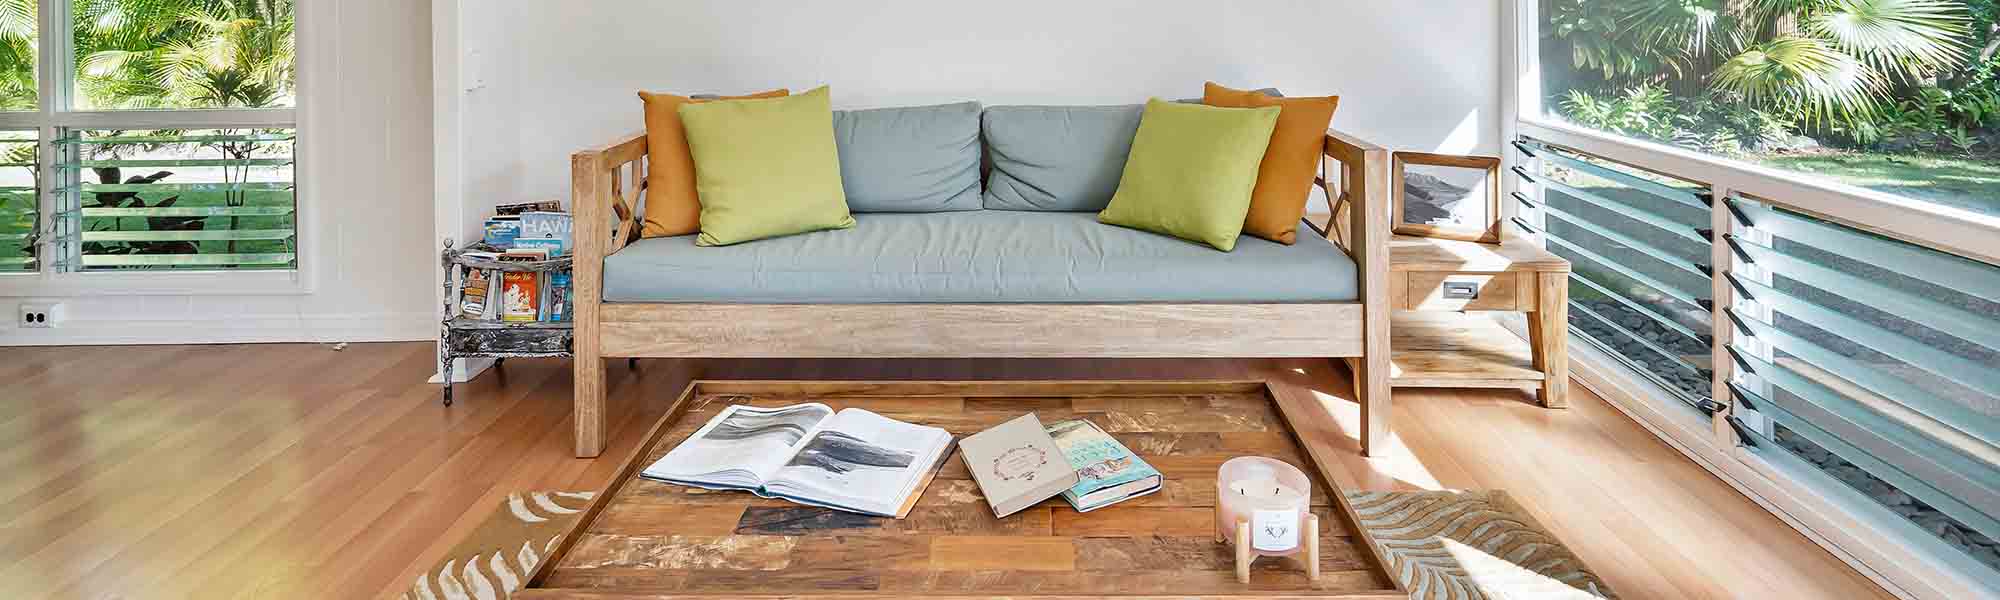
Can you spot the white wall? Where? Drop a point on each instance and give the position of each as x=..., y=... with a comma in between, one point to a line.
x=366, y=146
x=1413, y=74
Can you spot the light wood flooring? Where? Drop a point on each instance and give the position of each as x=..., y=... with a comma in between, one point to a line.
x=299, y=471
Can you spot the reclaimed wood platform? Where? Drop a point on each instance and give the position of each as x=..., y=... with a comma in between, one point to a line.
x=644, y=539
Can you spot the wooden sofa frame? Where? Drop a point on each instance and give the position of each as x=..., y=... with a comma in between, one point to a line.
x=608, y=181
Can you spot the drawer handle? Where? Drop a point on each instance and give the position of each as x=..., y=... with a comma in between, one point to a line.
x=1461, y=290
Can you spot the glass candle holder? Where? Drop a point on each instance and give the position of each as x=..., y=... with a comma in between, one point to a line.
x=1271, y=497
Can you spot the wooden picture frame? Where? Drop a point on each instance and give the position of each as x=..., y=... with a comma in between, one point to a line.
x=1489, y=233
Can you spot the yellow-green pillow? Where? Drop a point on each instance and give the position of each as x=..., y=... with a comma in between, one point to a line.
x=1191, y=171
x=765, y=168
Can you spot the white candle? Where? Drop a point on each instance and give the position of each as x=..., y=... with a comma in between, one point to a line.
x=1269, y=495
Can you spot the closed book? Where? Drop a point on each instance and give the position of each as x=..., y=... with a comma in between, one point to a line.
x=1016, y=465
x=501, y=231
x=1107, y=471
x=520, y=297
x=475, y=294
x=553, y=247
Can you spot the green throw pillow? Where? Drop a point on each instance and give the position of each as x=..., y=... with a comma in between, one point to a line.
x=765, y=168
x=1191, y=171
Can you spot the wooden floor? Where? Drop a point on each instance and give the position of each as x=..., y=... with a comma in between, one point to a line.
x=299, y=471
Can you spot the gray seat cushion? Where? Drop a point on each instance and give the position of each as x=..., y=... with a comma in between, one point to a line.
x=1057, y=158
x=979, y=257
x=912, y=159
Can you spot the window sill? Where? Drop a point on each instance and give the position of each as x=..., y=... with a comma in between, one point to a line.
x=155, y=283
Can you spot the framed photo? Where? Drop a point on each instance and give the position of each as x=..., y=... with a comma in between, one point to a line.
x=1446, y=196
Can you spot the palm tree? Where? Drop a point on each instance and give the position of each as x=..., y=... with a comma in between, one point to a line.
x=185, y=53
x=1826, y=60
x=17, y=55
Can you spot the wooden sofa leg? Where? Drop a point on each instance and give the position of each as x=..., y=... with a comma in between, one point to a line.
x=589, y=411
x=1372, y=388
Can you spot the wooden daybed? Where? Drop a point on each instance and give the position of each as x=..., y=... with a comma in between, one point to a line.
x=608, y=181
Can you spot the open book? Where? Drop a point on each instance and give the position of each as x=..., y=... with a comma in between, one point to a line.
x=853, y=460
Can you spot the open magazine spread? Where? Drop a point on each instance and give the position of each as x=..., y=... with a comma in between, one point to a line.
x=851, y=460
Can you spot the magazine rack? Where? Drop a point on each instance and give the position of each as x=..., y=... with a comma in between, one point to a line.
x=465, y=337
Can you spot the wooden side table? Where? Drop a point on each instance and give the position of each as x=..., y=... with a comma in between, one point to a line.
x=1434, y=343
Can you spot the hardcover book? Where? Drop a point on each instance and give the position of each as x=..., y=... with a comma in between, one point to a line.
x=1107, y=471
x=1016, y=465
x=553, y=247
x=501, y=231
x=559, y=297
x=475, y=294
x=852, y=460
x=520, y=298
x=546, y=226
x=526, y=207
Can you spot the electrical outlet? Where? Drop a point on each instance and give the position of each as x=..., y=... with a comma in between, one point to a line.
x=39, y=316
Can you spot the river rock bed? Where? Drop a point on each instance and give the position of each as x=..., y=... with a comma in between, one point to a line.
x=1932, y=521
x=1696, y=383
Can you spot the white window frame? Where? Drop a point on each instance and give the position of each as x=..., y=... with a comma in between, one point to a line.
x=1877, y=549
x=56, y=82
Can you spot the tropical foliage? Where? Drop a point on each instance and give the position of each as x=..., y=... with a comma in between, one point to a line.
x=1751, y=75
x=159, y=53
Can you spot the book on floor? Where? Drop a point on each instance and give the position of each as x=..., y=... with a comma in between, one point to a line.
x=852, y=460
x=1107, y=471
x=1016, y=465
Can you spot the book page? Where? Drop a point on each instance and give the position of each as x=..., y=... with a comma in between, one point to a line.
x=860, y=460
x=743, y=442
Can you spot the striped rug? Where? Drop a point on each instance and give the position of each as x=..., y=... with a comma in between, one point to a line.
x=496, y=559
x=1453, y=545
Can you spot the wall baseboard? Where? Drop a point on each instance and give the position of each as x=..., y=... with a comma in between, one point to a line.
x=327, y=329
x=467, y=370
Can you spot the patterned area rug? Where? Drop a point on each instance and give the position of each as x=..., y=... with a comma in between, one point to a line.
x=497, y=557
x=1445, y=545
x=1452, y=545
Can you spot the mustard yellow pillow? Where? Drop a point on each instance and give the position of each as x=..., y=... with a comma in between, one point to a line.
x=1285, y=179
x=672, y=205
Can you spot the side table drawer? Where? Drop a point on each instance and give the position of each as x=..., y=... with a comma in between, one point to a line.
x=527, y=340
x=1503, y=292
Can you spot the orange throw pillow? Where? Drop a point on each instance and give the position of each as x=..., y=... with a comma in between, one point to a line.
x=672, y=205
x=1291, y=162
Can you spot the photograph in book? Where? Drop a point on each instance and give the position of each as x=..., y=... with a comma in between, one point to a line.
x=861, y=461
x=851, y=460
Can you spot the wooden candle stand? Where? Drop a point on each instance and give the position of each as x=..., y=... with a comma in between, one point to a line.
x=1244, y=556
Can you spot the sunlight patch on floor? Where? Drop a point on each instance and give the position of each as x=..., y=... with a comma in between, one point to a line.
x=1396, y=462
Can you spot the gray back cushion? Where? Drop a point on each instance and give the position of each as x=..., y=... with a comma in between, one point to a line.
x=1272, y=92
x=1058, y=158
x=914, y=159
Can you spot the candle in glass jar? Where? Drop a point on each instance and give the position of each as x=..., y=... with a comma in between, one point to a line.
x=1269, y=495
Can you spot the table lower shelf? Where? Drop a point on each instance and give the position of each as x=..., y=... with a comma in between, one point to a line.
x=1458, y=350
